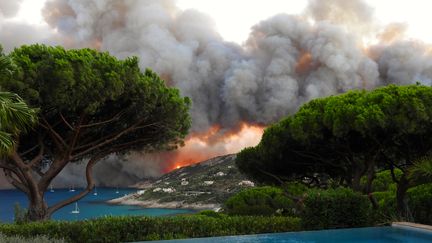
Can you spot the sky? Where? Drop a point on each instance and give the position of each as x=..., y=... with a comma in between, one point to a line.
x=234, y=18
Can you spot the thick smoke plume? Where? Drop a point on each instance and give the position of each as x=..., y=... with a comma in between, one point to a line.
x=286, y=61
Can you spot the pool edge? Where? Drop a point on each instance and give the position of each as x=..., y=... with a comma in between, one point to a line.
x=409, y=225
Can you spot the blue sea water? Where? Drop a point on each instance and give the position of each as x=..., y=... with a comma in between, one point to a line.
x=91, y=206
x=356, y=235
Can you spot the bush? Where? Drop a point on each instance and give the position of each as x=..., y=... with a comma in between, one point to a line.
x=19, y=214
x=335, y=208
x=124, y=229
x=211, y=213
x=259, y=201
x=296, y=188
x=383, y=181
x=420, y=203
x=386, y=211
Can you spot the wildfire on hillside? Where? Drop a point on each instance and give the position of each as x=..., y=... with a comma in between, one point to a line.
x=214, y=142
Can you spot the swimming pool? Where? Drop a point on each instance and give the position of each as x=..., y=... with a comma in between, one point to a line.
x=386, y=234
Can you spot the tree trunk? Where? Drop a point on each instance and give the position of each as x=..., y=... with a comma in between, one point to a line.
x=357, y=174
x=370, y=178
x=402, y=188
x=38, y=209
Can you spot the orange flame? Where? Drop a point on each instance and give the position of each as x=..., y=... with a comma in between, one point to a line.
x=202, y=146
x=304, y=63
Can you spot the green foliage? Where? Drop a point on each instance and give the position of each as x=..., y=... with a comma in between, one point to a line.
x=335, y=208
x=19, y=214
x=419, y=200
x=296, y=188
x=100, y=94
x=211, y=213
x=259, y=201
x=383, y=181
x=341, y=135
x=6, y=65
x=420, y=203
x=126, y=229
x=386, y=212
x=421, y=171
x=15, y=117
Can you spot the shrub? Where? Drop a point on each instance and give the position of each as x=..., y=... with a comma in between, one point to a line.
x=259, y=201
x=211, y=213
x=296, y=188
x=124, y=229
x=19, y=213
x=335, y=208
x=383, y=181
x=420, y=203
x=386, y=211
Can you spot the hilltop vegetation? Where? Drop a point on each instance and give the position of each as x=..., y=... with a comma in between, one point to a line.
x=203, y=185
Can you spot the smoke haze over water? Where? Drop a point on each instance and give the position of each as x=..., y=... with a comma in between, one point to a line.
x=286, y=61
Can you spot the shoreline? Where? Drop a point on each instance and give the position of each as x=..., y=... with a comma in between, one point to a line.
x=133, y=200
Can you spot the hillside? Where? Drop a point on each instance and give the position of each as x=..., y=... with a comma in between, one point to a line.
x=203, y=185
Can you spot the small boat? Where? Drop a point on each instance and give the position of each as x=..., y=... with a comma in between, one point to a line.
x=72, y=189
x=117, y=191
x=51, y=188
x=95, y=191
x=76, y=210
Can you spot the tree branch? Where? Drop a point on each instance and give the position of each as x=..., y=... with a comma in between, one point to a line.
x=89, y=188
x=123, y=146
x=55, y=168
x=105, y=138
x=111, y=139
x=36, y=160
x=76, y=136
x=114, y=118
x=29, y=150
x=26, y=173
x=58, y=140
x=66, y=122
x=15, y=182
x=16, y=170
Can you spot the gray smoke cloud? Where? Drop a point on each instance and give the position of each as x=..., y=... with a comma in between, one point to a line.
x=355, y=15
x=113, y=171
x=9, y=8
x=286, y=61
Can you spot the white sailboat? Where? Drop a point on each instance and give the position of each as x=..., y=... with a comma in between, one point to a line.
x=117, y=191
x=76, y=210
x=72, y=189
x=95, y=191
x=51, y=188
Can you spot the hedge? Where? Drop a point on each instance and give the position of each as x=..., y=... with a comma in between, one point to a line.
x=124, y=229
x=335, y=208
x=420, y=203
x=259, y=201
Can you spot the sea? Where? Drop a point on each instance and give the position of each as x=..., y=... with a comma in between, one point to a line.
x=93, y=205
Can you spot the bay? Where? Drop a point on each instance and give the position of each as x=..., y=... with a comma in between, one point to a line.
x=91, y=206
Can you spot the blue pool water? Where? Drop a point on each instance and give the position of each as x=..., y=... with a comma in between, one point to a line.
x=356, y=235
x=91, y=206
